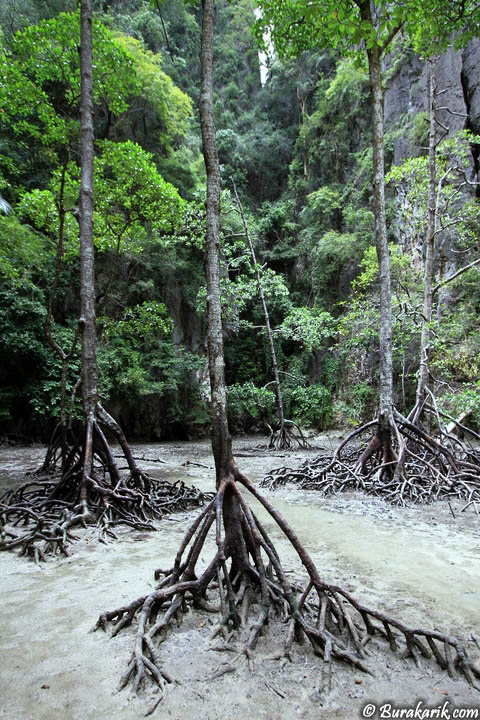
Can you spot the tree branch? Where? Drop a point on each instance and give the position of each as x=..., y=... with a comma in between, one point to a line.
x=455, y=275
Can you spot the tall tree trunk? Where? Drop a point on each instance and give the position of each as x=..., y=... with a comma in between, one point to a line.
x=87, y=319
x=383, y=255
x=221, y=440
x=246, y=563
x=82, y=494
x=423, y=371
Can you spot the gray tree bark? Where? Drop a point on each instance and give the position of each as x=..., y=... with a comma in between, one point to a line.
x=423, y=371
x=220, y=435
x=87, y=319
x=383, y=255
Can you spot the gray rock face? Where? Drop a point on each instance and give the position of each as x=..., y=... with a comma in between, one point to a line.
x=458, y=78
x=405, y=97
x=457, y=75
x=471, y=82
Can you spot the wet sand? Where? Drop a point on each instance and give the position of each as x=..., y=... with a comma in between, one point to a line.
x=419, y=564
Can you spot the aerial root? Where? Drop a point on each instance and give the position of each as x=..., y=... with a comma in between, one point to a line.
x=414, y=467
x=284, y=438
x=245, y=584
x=36, y=519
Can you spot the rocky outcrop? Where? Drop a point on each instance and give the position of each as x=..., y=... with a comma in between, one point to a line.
x=458, y=78
x=471, y=82
x=457, y=75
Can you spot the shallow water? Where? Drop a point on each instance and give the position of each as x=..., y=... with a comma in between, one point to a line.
x=418, y=563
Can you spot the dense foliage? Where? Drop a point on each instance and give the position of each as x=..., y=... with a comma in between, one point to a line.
x=295, y=137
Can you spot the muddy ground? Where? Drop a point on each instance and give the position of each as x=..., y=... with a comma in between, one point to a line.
x=419, y=564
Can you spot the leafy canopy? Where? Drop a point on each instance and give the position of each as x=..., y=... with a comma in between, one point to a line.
x=40, y=84
x=40, y=78
x=163, y=98
x=297, y=25
x=132, y=202
x=132, y=199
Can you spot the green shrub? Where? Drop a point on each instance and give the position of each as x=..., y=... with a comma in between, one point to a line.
x=311, y=406
x=249, y=405
x=464, y=400
x=359, y=405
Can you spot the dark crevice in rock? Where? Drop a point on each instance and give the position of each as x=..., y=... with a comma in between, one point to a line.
x=472, y=126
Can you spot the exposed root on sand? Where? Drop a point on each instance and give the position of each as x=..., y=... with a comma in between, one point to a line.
x=411, y=465
x=284, y=438
x=36, y=519
x=245, y=585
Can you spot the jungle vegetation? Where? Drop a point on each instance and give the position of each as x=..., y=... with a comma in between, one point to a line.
x=104, y=236
x=244, y=575
x=297, y=144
